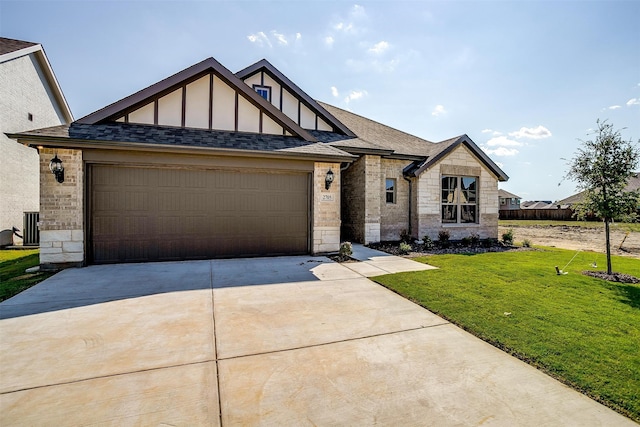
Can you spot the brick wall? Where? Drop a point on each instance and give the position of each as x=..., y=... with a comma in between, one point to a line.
x=326, y=209
x=460, y=162
x=62, y=209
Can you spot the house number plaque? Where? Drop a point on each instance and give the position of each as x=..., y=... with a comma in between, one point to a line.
x=327, y=198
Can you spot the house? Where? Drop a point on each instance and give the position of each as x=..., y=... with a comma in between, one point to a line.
x=30, y=98
x=208, y=163
x=508, y=201
x=567, y=203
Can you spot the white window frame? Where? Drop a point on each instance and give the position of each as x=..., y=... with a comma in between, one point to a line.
x=266, y=88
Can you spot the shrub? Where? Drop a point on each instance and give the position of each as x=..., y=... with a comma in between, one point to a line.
x=466, y=241
x=405, y=237
x=507, y=238
x=526, y=243
x=475, y=238
x=427, y=242
x=405, y=248
x=443, y=238
x=345, y=249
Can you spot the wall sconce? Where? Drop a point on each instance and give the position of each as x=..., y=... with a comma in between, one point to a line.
x=55, y=165
x=328, y=180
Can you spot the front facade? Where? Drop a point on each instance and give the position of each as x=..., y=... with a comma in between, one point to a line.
x=208, y=163
x=30, y=98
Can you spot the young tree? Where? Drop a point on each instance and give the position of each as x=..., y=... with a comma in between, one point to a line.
x=602, y=168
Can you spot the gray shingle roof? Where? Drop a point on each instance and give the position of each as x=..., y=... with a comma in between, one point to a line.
x=506, y=195
x=183, y=137
x=12, y=45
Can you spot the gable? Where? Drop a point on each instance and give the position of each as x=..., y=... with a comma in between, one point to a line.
x=287, y=97
x=204, y=96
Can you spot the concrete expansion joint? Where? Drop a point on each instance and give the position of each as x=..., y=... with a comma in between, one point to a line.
x=119, y=374
x=284, y=350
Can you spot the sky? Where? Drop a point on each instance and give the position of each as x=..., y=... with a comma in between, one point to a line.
x=525, y=80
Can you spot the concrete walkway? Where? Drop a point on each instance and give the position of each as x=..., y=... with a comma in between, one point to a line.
x=266, y=341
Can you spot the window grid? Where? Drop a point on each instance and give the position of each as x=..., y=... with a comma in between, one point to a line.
x=459, y=200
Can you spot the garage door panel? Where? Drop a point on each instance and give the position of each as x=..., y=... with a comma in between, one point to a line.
x=145, y=214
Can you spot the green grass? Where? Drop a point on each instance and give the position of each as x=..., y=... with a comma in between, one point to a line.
x=581, y=330
x=623, y=226
x=13, y=278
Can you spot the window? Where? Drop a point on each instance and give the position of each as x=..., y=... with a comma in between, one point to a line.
x=390, y=190
x=263, y=91
x=459, y=199
x=503, y=201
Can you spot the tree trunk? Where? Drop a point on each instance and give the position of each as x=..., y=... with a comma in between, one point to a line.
x=606, y=232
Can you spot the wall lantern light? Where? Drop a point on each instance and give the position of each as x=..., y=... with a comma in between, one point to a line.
x=328, y=179
x=55, y=165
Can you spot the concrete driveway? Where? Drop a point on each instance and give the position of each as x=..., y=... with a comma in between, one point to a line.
x=267, y=341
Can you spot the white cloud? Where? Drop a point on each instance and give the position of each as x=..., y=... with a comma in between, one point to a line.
x=438, y=111
x=354, y=95
x=298, y=36
x=496, y=133
x=260, y=38
x=503, y=141
x=614, y=107
x=501, y=151
x=329, y=41
x=379, y=48
x=486, y=130
x=633, y=101
x=334, y=91
x=500, y=165
x=280, y=38
x=539, y=132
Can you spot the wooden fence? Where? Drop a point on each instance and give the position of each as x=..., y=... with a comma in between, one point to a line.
x=538, y=214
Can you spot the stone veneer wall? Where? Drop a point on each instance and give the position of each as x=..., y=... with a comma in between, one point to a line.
x=362, y=195
x=394, y=217
x=459, y=162
x=353, y=201
x=326, y=209
x=61, y=210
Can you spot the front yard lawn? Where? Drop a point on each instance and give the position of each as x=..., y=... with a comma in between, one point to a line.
x=581, y=330
x=13, y=278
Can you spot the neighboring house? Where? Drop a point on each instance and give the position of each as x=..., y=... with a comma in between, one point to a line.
x=508, y=201
x=632, y=185
x=208, y=163
x=30, y=98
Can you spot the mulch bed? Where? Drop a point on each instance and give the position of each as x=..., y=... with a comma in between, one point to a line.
x=615, y=277
x=437, y=249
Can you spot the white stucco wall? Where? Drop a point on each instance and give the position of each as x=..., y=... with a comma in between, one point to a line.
x=23, y=90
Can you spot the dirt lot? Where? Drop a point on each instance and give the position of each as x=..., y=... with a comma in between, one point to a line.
x=587, y=239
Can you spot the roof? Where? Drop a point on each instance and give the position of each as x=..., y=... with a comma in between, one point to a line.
x=506, y=195
x=632, y=185
x=144, y=96
x=11, y=49
x=12, y=45
x=162, y=138
x=266, y=66
x=537, y=205
x=375, y=136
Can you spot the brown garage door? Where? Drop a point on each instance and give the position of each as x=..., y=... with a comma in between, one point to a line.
x=157, y=214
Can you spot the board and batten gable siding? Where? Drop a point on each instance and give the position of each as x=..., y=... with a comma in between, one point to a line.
x=206, y=103
x=460, y=162
x=288, y=103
